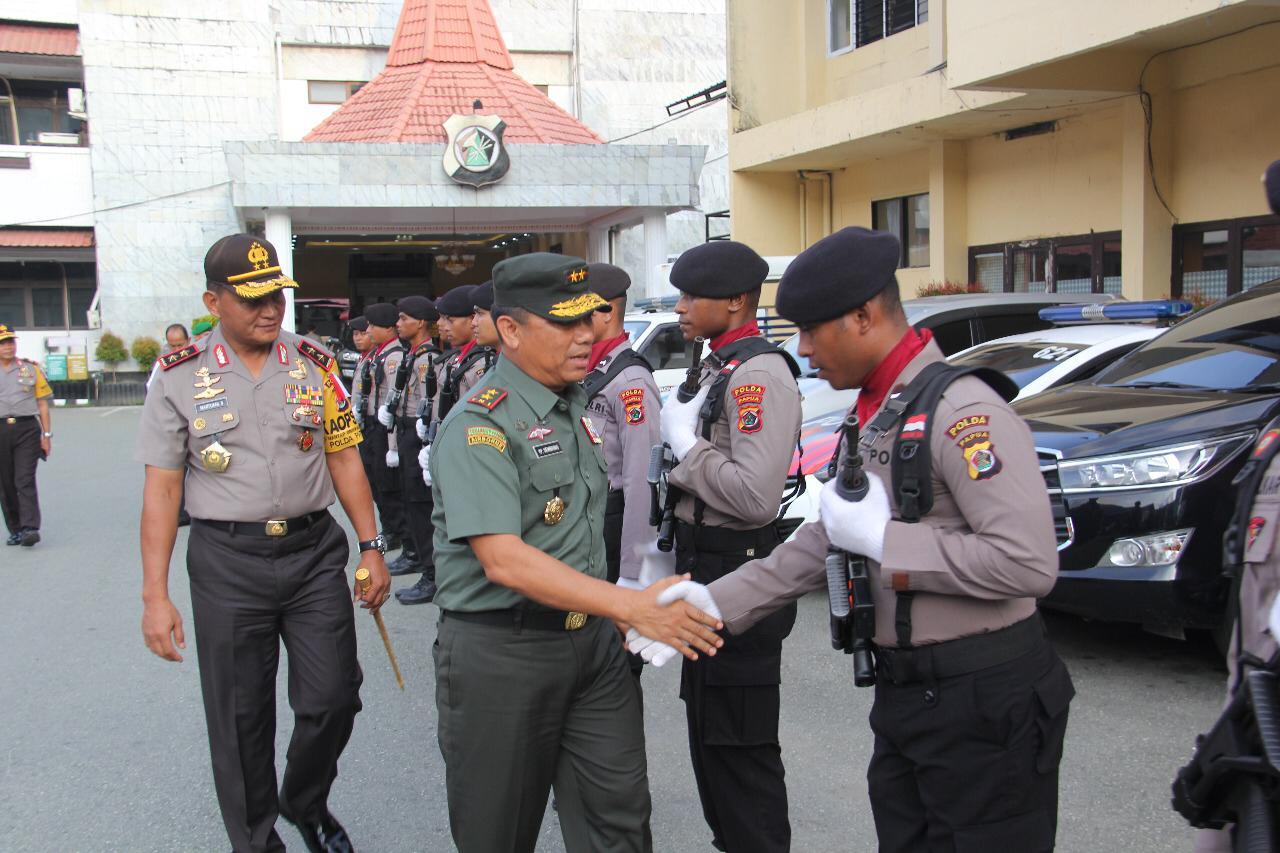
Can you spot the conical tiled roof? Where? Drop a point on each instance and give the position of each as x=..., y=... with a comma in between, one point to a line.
x=445, y=55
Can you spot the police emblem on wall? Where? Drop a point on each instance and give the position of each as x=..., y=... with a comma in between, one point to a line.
x=475, y=153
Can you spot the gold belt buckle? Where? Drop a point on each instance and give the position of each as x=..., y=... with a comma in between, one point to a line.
x=277, y=527
x=574, y=620
x=11, y=421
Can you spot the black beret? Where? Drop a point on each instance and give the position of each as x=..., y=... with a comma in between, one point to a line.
x=837, y=274
x=607, y=281
x=1272, y=180
x=457, y=302
x=418, y=307
x=360, y=324
x=381, y=314
x=482, y=296
x=719, y=269
x=553, y=286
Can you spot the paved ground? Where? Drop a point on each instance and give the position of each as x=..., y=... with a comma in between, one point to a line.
x=104, y=745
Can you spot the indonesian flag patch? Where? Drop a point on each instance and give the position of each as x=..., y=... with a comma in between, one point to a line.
x=914, y=427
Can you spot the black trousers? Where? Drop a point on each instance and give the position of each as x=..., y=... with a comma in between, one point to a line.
x=384, y=482
x=731, y=708
x=19, y=453
x=614, y=506
x=970, y=763
x=247, y=594
x=416, y=494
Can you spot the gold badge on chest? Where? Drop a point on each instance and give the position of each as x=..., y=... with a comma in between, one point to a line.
x=215, y=458
x=206, y=383
x=553, y=512
x=299, y=372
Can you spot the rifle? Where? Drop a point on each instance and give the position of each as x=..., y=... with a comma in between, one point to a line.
x=1234, y=776
x=425, y=413
x=362, y=387
x=662, y=513
x=397, y=384
x=853, y=611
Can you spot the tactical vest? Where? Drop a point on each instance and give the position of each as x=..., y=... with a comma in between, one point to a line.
x=598, y=380
x=453, y=377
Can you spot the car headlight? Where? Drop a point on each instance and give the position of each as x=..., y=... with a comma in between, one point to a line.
x=1175, y=465
x=1158, y=549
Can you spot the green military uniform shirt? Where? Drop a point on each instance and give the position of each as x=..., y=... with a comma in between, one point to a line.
x=499, y=459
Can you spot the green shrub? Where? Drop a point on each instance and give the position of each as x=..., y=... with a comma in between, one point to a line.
x=145, y=351
x=949, y=288
x=111, y=352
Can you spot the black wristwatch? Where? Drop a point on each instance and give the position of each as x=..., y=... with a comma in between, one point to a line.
x=377, y=543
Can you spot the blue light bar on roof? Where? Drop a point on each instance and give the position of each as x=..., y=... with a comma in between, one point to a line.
x=1097, y=312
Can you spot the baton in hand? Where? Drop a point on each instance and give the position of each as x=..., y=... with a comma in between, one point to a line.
x=363, y=583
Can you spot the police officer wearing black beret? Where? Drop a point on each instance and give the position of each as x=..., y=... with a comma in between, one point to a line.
x=374, y=386
x=971, y=701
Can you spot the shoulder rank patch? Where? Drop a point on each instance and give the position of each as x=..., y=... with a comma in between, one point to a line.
x=982, y=459
x=489, y=398
x=967, y=422
x=750, y=400
x=178, y=356
x=488, y=436
x=316, y=354
x=633, y=401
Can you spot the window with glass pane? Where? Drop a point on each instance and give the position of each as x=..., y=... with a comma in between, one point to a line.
x=918, y=230
x=326, y=92
x=887, y=216
x=839, y=25
x=1030, y=270
x=870, y=20
x=1205, y=257
x=47, y=308
x=1073, y=268
x=33, y=121
x=900, y=15
x=1111, y=276
x=1260, y=245
x=78, y=301
x=988, y=271
x=13, y=308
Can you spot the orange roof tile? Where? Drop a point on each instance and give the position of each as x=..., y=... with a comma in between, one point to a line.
x=46, y=238
x=447, y=54
x=38, y=39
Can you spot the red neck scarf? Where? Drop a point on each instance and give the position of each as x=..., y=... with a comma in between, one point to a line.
x=880, y=380
x=749, y=330
x=466, y=348
x=602, y=348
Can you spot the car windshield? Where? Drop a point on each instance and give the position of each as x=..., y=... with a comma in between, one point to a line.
x=1234, y=347
x=791, y=345
x=1021, y=361
x=635, y=328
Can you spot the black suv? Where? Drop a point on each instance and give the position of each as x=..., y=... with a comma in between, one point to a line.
x=1144, y=454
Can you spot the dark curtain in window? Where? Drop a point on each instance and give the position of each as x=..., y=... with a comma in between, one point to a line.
x=870, y=20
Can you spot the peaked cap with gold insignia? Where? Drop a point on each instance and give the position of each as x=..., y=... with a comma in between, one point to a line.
x=552, y=286
x=6, y=334
x=247, y=264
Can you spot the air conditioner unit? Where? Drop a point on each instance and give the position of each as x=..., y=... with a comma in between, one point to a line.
x=46, y=138
x=75, y=104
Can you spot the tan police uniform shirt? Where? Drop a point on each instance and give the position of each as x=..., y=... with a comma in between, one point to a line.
x=415, y=386
x=741, y=473
x=627, y=413
x=276, y=427
x=384, y=373
x=978, y=561
x=22, y=383
x=470, y=378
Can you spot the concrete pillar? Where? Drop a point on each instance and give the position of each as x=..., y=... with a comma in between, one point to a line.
x=655, y=252
x=937, y=36
x=598, y=246
x=1146, y=226
x=948, y=211
x=279, y=228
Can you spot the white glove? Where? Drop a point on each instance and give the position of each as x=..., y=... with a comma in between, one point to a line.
x=421, y=428
x=679, y=422
x=856, y=527
x=424, y=458
x=393, y=458
x=658, y=653
x=654, y=566
x=385, y=417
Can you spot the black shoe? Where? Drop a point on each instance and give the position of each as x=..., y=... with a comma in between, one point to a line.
x=421, y=592
x=325, y=835
x=403, y=565
x=30, y=536
x=14, y=539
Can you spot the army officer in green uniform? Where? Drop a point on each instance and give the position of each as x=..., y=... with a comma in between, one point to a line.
x=532, y=686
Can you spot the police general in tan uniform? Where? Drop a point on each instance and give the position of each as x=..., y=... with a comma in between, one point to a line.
x=971, y=701
x=531, y=685
x=256, y=421
x=735, y=442
x=26, y=433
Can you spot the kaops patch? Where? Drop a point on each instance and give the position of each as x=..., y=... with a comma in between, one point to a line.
x=968, y=422
x=982, y=459
x=633, y=401
x=750, y=402
x=333, y=384
x=487, y=436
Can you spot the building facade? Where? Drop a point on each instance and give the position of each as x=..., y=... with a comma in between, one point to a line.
x=141, y=132
x=1016, y=144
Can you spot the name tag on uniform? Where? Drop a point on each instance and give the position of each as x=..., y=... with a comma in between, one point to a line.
x=549, y=449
